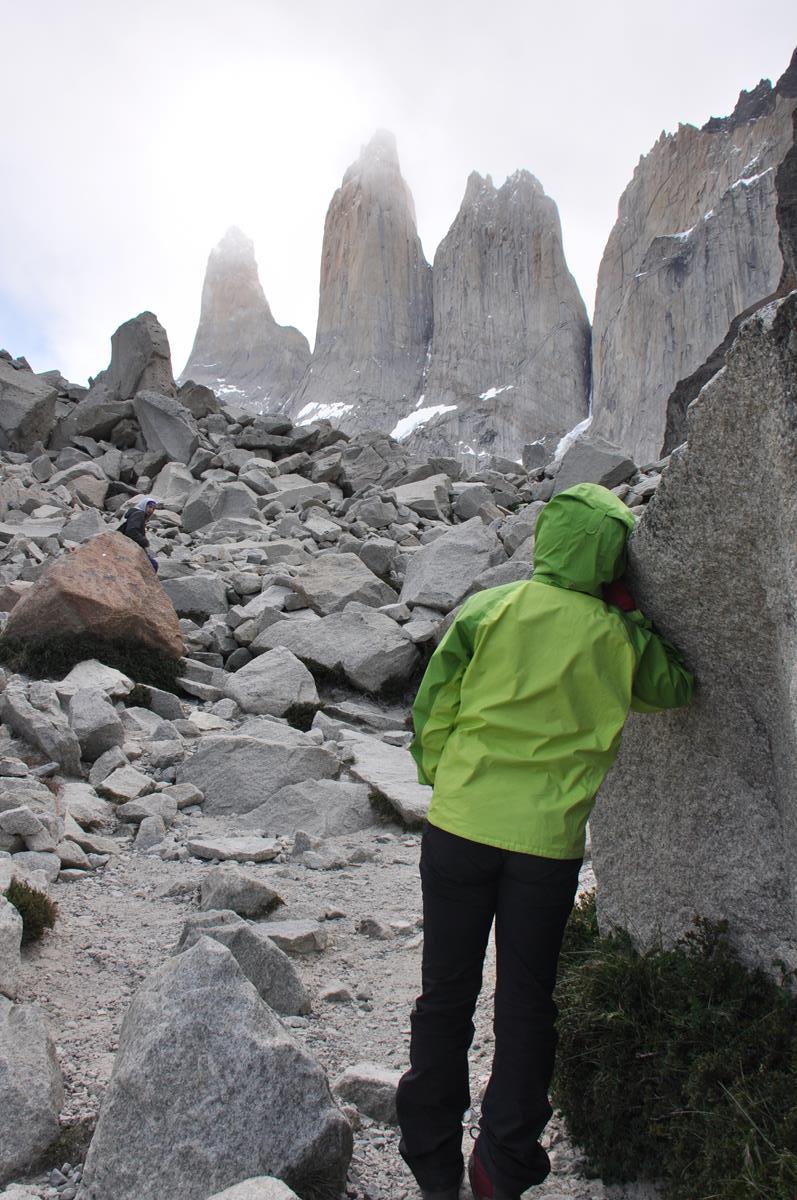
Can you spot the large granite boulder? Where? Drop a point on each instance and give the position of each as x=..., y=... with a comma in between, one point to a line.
x=699, y=814
x=31, y=1088
x=207, y=1088
x=375, y=307
x=510, y=356
x=239, y=350
x=441, y=573
x=140, y=359
x=105, y=588
x=238, y=772
x=364, y=646
x=27, y=408
x=167, y=427
x=696, y=246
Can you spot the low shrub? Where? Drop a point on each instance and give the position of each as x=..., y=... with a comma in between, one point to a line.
x=52, y=658
x=678, y=1065
x=37, y=910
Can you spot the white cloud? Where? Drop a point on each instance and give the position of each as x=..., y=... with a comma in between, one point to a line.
x=141, y=132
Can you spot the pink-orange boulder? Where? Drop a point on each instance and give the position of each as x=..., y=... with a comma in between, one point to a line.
x=106, y=589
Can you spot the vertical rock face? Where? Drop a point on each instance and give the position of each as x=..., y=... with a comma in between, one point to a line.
x=695, y=246
x=239, y=350
x=510, y=353
x=375, y=311
x=698, y=816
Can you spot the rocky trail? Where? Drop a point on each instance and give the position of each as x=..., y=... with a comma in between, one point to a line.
x=114, y=929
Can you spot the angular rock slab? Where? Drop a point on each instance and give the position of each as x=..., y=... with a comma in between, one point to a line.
x=440, y=574
x=237, y=773
x=234, y=849
x=593, y=460
x=31, y=1088
x=207, y=1087
x=198, y=595
x=297, y=937
x=262, y=961
x=10, y=942
x=699, y=814
x=27, y=408
x=273, y=684
x=95, y=723
x=365, y=646
x=262, y=1188
x=372, y=1088
x=50, y=733
x=91, y=673
x=168, y=428
x=106, y=588
x=321, y=807
x=331, y=581
x=230, y=888
x=391, y=774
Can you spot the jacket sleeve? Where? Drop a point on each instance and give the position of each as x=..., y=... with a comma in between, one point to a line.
x=437, y=702
x=661, y=680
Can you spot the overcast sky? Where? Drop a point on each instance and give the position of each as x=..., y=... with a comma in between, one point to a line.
x=136, y=133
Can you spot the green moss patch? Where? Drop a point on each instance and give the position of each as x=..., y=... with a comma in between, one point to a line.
x=678, y=1065
x=52, y=658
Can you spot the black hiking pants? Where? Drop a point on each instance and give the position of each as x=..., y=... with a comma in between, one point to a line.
x=465, y=886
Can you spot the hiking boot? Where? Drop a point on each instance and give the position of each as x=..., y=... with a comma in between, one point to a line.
x=451, y=1193
x=481, y=1184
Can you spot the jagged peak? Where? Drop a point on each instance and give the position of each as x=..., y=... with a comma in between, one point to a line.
x=381, y=148
x=522, y=178
x=377, y=157
x=378, y=166
x=235, y=247
x=482, y=187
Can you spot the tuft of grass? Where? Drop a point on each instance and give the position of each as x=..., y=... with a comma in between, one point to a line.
x=37, y=910
x=52, y=658
x=678, y=1065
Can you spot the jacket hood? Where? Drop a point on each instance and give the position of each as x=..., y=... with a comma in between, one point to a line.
x=580, y=539
x=141, y=505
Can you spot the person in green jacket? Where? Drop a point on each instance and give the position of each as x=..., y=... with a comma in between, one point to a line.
x=517, y=721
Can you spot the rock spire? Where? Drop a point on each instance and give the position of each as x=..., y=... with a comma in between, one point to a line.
x=510, y=353
x=239, y=350
x=696, y=246
x=375, y=309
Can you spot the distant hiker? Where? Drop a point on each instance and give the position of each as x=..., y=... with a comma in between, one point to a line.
x=135, y=524
x=517, y=721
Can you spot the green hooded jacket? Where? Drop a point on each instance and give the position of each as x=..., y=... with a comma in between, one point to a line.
x=519, y=714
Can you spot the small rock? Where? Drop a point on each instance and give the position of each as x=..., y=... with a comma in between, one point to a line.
x=372, y=1088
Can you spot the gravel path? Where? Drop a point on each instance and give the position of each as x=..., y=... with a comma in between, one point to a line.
x=117, y=926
